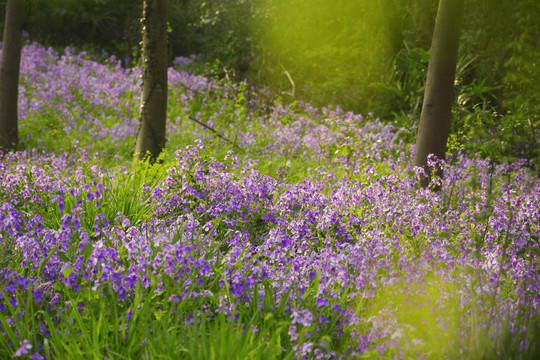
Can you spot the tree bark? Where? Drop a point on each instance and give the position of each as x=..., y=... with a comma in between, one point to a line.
x=9, y=74
x=434, y=126
x=153, y=109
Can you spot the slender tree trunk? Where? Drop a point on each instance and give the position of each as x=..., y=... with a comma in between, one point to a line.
x=153, y=110
x=9, y=74
x=434, y=124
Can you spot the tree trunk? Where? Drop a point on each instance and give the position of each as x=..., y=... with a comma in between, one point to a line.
x=9, y=74
x=434, y=124
x=153, y=110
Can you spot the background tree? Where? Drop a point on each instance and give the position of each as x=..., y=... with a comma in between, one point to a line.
x=9, y=74
x=434, y=125
x=153, y=111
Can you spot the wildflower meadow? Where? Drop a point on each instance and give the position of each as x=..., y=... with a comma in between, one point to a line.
x=267, y=230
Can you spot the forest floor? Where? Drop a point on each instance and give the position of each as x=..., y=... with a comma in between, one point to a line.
x=298, y=232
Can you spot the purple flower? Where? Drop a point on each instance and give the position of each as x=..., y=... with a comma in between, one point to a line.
x=125, y=222
x=13, y=301
x=129, y=314
x=303, y=317
x=292, y=333
x=24, y=348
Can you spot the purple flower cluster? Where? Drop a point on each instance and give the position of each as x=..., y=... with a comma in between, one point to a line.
x=97, y=102
x=76, y=94
x=353, y=254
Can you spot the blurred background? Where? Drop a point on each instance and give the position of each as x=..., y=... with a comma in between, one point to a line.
x=367, y=56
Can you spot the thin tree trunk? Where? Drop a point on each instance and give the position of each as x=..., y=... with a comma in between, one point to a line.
x=434, y=124
x=153, y=110
x=9, y=74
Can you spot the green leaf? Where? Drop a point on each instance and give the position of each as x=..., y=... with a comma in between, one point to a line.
x=46, y=261
x=62, y=256
x=67, y=272
x=87, y=251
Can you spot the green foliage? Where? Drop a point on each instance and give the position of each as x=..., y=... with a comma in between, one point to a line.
x=406, y=84
x=325, y=51
x=217, y=29
x=497, y=108
x=220, y=339
x=95, y=25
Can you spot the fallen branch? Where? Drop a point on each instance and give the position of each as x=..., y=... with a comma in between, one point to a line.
x=223, y=137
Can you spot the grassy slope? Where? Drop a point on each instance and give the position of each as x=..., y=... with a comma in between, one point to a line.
x=307, y=238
